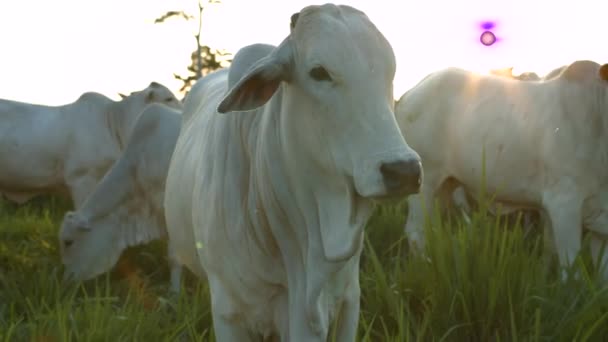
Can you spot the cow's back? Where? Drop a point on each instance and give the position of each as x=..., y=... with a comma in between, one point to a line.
x=32, y=139
x=453, y=117
x=20, y=120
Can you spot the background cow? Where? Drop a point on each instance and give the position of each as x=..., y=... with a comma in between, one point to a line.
x=270, y=201
x=126, y=208
x=45, y=149
x=545, y=146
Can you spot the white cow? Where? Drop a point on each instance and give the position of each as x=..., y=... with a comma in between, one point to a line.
x=126, y=208
x=545, y=145
x=269, y=201
x=68, y=148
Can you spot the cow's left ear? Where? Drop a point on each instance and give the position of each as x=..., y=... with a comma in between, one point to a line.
x=604, y=72
x=260, y=83
x=294, y=20
x=122, y=96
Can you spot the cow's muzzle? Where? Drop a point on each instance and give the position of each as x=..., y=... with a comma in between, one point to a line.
x=402, y=177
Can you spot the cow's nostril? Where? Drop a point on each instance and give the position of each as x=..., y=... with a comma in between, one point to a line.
x=402, y=175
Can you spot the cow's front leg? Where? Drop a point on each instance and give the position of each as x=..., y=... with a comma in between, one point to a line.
x=226, y=330
x=348, y=319
x=549, y=248
x=176, y=270
x=564, y=209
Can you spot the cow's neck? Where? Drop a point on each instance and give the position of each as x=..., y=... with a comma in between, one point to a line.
x=308, y=201
x=584, y=110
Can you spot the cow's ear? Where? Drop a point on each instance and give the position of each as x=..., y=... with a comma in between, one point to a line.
x=149, y=96
x=604, y=72
x=294, y=20
x=260, y=83
x=122, y=96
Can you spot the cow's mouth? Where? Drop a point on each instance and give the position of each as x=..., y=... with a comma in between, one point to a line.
x=391, y=197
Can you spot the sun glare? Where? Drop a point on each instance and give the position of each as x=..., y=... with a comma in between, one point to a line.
x=63, y=49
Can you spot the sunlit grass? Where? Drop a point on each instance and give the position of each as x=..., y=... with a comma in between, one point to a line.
x=480, y=281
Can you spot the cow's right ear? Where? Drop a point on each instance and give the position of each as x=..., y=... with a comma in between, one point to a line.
x=260, y=83
x=122, y=96
x=604, y=72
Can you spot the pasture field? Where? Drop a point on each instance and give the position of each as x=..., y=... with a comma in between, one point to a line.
x=480, y=281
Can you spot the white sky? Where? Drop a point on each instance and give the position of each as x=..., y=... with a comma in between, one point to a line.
x=53, y=51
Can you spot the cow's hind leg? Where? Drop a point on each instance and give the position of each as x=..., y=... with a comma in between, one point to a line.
x=565, y=213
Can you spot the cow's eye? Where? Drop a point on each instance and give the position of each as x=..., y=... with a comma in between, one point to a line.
x=168, y=99
x=319, y=73
x=67, y=243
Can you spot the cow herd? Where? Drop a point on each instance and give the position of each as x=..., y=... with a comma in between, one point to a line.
x=263, y=180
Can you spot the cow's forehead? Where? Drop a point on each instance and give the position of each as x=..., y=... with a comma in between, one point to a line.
x=342, y=35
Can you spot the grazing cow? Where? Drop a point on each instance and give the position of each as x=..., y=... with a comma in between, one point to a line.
x=274, y=177
x=68, y=148
x=126, y=208
x=545, y=146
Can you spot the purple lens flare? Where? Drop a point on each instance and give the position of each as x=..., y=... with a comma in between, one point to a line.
x=487, y=25
x=487, y=36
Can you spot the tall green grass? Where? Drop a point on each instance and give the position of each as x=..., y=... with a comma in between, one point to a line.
x=480, y=281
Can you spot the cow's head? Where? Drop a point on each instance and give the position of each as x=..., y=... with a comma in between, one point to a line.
x=87, y=248
x=155, y=93
x=591, y=80
x=585, y=71
x=337, y=71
